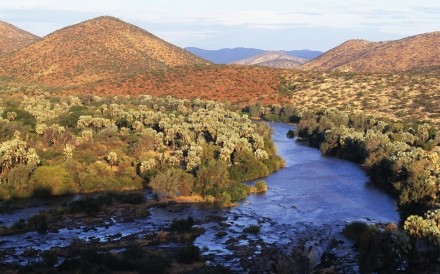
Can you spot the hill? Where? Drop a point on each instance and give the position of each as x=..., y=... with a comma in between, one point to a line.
x=275, y=59
x=13, y=38
x=410, y=53
x=104, y=47
x=227, y=56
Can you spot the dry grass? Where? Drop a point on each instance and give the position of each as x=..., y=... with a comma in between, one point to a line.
x=403, y=96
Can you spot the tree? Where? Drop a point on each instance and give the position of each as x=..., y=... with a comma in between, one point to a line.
x=68, y=152
x=112, y=158
x=168, y=182
x=14, y=152
x=52, y=180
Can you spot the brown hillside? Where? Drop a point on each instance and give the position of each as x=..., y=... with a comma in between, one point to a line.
x=410, y=53
x=13, y=38
x=237, y=84
x=104, y=47
x=274, y=59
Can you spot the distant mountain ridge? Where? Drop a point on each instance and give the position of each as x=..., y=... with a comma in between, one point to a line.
x=96, y=49
x=13, y=38
x=227, y=56
x=274, y=59
x=414, y=52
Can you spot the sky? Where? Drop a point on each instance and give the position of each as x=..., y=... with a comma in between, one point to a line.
x=265, y=24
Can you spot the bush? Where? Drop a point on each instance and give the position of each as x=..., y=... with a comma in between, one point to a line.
x=355, y=230
x=246, y=167
x=238, y=191
x=224, y=200
x=182, y=225
x=189, y=254
x=38, y=223
x=260, y=187
x=52, y=180
x=133, y=198
x=254, y=229
x=22, y=115
x=90, y=206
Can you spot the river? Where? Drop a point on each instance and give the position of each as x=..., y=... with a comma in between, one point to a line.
x=310, y=191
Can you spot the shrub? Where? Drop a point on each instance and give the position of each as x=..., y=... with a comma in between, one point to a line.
x=259, y=187
x=90, y=206
x=182, y=225
x=189, y=254
x=238, y=191
x=224, y=199
x=246, y=167
x=22, y=115
x=254, y=229
x=52, y=180
x=133, y=198
x=355, y=230
x=38, y=223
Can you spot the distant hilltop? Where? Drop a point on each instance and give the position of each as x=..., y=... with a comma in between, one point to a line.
x=13, y=38
x=275, y=59
x=228, y=56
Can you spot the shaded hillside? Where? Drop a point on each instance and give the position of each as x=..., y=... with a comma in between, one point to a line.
x=400, y=55
x=275, y=59
x=227, y=56
x=96, y=49
x=13, y=38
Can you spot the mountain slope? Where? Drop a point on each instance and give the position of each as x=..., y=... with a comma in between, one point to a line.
x=227, y=56
x=104, y=47
x=275, y=59
x=13, y=38
x=410, y=53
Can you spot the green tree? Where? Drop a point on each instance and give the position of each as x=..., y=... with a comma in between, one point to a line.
x=52, y=180
x=168, y=182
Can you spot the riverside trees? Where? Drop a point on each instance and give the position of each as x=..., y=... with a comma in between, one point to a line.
x=125, y=143
x=401, y=158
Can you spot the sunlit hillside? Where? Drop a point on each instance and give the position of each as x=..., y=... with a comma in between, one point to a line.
x=413, y=52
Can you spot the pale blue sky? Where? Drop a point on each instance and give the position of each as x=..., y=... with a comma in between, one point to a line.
x=268, y=24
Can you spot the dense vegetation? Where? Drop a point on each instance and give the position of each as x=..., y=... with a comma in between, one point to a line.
x=61, y=145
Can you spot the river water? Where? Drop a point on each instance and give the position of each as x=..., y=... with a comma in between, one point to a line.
x=310, y=191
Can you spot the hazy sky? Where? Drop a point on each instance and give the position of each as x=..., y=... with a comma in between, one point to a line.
x=266, y=24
